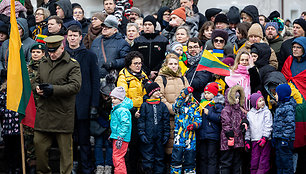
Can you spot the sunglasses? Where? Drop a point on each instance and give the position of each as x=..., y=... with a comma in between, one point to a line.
x=219, y=40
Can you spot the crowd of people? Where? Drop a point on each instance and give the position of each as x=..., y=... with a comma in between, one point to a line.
x=128, y=86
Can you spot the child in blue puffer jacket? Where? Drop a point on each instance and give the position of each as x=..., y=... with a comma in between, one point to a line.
x=209, y=131
x=121, y=126
x=284, y=129
x=153, y=129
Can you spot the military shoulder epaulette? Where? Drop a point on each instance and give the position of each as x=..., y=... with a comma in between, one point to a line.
x=73, y=59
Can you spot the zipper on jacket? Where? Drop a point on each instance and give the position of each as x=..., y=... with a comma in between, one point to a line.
x=150, y=56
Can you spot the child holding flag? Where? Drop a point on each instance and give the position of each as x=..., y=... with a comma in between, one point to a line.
x=209, y=132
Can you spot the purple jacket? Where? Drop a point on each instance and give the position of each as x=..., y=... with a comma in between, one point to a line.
x=232, y=117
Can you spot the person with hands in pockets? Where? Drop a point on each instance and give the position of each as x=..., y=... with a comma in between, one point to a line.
x=121, y=126
x=153, y=130
x=187, y=119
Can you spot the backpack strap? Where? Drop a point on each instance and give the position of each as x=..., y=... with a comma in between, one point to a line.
x=127, y=81
x=165, y=80
x=183, y=80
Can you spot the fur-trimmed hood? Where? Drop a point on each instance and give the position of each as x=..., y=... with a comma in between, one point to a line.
x=230, y=95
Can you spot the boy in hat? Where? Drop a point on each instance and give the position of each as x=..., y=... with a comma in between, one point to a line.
x=153, y=129
x=121, y=126
x=209, y=131
x=187, y=119
x=284, y=129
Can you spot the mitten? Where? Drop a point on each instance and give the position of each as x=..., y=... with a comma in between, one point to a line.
x=247, y=145
x=262, y=141
x=119, y=143
x=190, y=127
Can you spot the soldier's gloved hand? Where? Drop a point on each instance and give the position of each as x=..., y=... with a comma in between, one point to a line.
x=93, y=112
x=47, y=89
x=119, y=143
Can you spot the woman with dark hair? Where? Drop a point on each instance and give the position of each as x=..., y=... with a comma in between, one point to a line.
x=206, y=31
x=242, y=35
x=132, y=79
x=163, y=17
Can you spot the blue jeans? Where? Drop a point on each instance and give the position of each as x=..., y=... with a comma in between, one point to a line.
x=284, y=157
x=101, y=141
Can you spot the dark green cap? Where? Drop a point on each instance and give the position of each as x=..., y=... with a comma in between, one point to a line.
x=39, y=46
x=53, y=42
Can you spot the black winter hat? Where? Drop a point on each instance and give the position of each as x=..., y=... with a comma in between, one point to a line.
x=3, y=28
x=219, y=33
x=233, y=15
x=274, y=14
x=212, y=12
x=301, y=22
x=221, y=18
x=252, y=11
x=151, y=88
x=263, y=51
x=151, y=19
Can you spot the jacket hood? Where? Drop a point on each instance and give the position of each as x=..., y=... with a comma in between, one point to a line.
x=66, y=6
x=161, y=12
x=264, y=53
x=126, y=103
x=273, y=80
x=219, y=99
x=252, y=11
x=301, y=41
x=230, y=95
x=24, y=25
x=233, y=15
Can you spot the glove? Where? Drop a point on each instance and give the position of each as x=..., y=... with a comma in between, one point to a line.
x=284, y=143
x=119, y=143
x=190, y=127
x=165, y=140
x=93, y=112
x=247, y=145
x=144, y=139
x=231, y=142
x=188, y=90
x=243, y=127
x=262, y=141
x=47, y=89
x=229, y=134
x=109, y=65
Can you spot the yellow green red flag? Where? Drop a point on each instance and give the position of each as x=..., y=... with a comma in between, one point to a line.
x=19, y=93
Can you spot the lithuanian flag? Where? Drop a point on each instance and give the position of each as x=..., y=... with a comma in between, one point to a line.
x=19, y=93
x=211, y=63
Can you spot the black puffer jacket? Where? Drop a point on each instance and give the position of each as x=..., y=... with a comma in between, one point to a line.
x=153, y=48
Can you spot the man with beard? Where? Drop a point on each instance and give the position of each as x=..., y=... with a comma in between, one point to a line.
x=135, y=14
x=197, y=79
x=274, y=38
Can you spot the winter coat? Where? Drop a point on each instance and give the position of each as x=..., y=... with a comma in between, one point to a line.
x=228, y=48
x=232, y=117
x=85, y=24
x=66, y=6
x=276, y=44
x=211, y=123
x=56, y=113
x=231, y=36
x=50, y=6
x=116, y=48
x=239, y=44
x=260, y=124
x=121, y=120
x=89, y=92
x=27, y=43
x=172, y=88
x=133, y=86
x=200, y=80
x=154, y=121
x=10, y=119
x=272, y=60
x=285, y=52
x=169, y=32
x=153, y=48
x=284, y=120
x=40, y=28
x=202, y=18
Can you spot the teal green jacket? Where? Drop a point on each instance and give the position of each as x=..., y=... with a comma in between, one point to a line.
x=121, y=120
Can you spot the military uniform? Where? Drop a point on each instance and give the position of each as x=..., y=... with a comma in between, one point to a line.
x=61, y=78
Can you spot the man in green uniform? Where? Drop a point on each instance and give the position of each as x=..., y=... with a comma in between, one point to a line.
x=57, y=82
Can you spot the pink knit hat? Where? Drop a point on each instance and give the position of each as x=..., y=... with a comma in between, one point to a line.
x=118, y=92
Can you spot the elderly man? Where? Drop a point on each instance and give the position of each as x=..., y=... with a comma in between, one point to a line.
x=57, y=82
x=132, y=32
x=110, y=48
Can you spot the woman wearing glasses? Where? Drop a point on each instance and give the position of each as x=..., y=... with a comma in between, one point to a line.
x=41, y=20
x=78, y=14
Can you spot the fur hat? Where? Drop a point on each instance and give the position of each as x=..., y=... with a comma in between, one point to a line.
x=212, y=12
x=254, y=98
x=273, y=24
x=118, y=92
x=231, y=93
x=221, y=18
x=151, y=19
x=151, y=88
x=255, y=30
x=284, y=92
x=212, y=87
x=219, y=33
x=180, y=12
x=301, y=22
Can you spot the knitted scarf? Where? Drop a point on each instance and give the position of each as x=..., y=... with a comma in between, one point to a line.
x=192, y=60
x=91, y=35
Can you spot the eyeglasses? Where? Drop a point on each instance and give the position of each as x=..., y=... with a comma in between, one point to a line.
x=193, y=47
x=39, y=14
x=219, y=41
x=166, y=14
